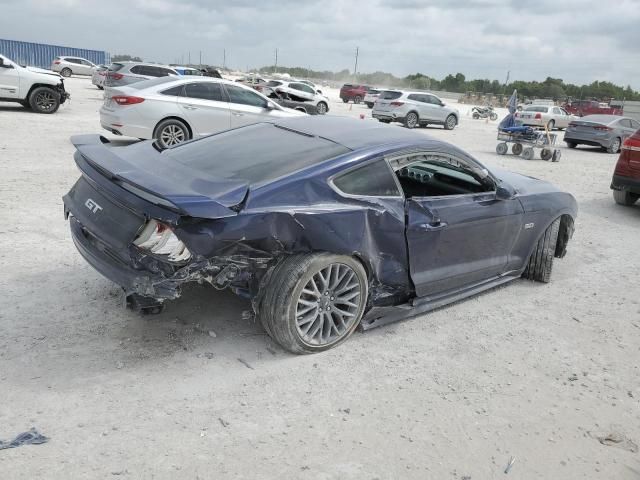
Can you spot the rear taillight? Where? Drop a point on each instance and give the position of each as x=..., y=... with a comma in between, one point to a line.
x=602, y=128
x=57, y=62
x=102, y=74
x=159, y=239
x=538, y=116
x=115, y=76
x=126, y=100
x=396, y=104
x=632, y=143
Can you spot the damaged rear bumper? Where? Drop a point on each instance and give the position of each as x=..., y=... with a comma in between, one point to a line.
x=160, y=285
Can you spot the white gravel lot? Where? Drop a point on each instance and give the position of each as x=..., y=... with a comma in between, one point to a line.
x=531, y=371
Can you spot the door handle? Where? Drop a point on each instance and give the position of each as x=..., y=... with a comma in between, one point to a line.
x=238, y=114
x=432, y=226
x=190, y=107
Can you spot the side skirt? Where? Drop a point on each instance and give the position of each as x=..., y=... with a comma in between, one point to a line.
x=379, y=316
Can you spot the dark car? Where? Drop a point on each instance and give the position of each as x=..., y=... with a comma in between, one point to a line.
x=605, y=131
x=355, y=93
x=626, y=176
x=324, y=223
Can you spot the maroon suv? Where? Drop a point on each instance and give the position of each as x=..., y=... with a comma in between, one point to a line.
x=582, y=108
x=353, y=92
x=626, y=177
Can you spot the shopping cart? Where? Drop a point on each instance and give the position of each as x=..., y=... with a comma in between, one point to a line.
x=525, y=141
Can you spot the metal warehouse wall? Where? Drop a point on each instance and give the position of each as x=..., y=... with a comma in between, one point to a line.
x=41, y=55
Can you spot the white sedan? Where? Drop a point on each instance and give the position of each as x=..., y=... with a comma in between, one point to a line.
x=541, y=115
x=173, y=110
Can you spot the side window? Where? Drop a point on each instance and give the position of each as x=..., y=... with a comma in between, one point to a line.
x=245, y=97
x=204, y=91
x=557, y=111
x=174, y=92
x=433, y=100
x=436, y=175
x=87, y=63
x=415, y=97
x=372, y=180
x=635, y=124
x=138, y=70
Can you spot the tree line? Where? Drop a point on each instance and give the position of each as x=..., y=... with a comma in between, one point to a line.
x=554, y=88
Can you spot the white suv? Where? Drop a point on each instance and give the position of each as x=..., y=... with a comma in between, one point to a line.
x=414, y=109
x=35, y=88
x=66, y=66
x=298, y=91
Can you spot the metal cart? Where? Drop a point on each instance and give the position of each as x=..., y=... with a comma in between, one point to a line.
x=526, y=141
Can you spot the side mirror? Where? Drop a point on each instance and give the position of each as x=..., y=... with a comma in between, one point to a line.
x=504, y=191
x=319, y=91
x=5, y=65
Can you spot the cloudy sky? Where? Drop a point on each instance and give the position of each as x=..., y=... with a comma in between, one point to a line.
x=577, y=40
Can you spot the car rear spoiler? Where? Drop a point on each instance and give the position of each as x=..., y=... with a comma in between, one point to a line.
x=146, y=173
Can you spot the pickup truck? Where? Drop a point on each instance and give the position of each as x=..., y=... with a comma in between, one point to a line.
x=590, y=107
x=35, y=88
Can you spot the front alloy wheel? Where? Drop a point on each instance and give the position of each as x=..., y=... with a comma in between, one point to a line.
x=170, y=133
x=322, y=108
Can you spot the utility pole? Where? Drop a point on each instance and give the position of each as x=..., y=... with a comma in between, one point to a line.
x=276, y=67
x=189, y=57
x=508, y=75
x=355, y=68
x=200, y=58
x=224, y=58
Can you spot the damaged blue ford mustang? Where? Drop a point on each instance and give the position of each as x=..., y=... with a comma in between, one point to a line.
x=325, y=224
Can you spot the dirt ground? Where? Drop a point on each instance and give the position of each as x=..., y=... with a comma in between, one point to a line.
x=530, y=372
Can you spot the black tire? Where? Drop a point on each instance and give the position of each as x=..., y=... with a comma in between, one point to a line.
x=541, y=260
x=622, y=197
x=284, y=290
x=546, y=154
x=476, y=115
x=493, y=117
x=369, y=105
x=411, y=120
x=44, y=100
x=171, y=132
x=25, y=104
x=571, y=144
x=322, y=108
x=100, y=87
x=528, y=153
x=450, y=122
x=516, y=148
x=66, y=72
x=551, y=124
x=357, y=99
x=615, y=145
x=345, y=100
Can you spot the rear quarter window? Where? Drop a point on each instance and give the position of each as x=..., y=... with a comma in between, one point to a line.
x=388, y=95
x=372, y=180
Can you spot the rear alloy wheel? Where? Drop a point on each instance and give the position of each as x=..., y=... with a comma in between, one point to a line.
x=541, y=259
x=615, y=146
x=369, y=105
x=411, y=120
x=357, y=99
x=314, y=302
x=450, y=123
x=502, y=148
x=171, y=132
x=516, y=148
x=66, y=72
x=622, y=197
x=571, y=144
x=322, y=108
x=551, y=125
x=44, y=100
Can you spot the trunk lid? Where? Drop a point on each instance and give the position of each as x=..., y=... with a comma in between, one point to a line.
x=144, y=172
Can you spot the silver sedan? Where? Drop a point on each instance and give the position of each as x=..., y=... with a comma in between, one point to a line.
x=605, y=131
x=541, y=115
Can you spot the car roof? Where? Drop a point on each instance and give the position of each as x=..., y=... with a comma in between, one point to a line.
x=352, y=133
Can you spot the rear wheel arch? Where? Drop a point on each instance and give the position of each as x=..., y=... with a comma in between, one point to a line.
x=173, y=117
